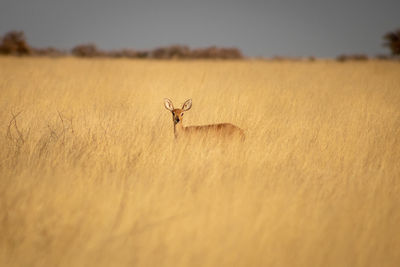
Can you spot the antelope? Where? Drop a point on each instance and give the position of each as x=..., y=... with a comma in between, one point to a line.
x=222, y=130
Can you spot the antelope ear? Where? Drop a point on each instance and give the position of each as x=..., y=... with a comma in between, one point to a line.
x=168, y=104
x=187, y=105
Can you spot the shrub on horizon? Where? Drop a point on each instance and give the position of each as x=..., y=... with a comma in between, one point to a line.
x=87, y=50
x=392, y=41
x=171, y=52
x=353, y=57
x=48, y=52
x=14, y=43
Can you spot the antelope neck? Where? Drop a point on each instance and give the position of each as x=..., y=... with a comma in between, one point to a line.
x=178, y=127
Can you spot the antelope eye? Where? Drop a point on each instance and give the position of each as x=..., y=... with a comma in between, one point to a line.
x=181, y=114
x=173, y=113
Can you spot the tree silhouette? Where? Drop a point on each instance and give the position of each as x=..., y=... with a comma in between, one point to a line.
x=14, y=43
x=87, y=50
x=392, y=40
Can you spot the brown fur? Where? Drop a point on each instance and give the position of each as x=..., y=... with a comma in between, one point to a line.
x=221, y=130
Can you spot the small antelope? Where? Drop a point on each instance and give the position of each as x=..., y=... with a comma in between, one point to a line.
x=224, y=130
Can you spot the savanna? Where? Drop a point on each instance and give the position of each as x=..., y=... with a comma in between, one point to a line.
x=91, y=174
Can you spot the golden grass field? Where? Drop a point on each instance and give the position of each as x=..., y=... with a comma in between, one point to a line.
x=91, y=175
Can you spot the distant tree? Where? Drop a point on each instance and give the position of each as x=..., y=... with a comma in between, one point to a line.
x=230, y=53
x=392, y=40
x=353, y=57
x=142, y=54
x=171, y=52
x=124, y=53
x=48, y=52
x=214, y=52
x=14, y=43
x=87, y=50
x=184, y=52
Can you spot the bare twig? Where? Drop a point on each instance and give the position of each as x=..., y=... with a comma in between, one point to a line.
x=13, y=122
x=62, y=122
x=52, y=132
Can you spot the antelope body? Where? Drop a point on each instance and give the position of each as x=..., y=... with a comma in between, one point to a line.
x=222, y=130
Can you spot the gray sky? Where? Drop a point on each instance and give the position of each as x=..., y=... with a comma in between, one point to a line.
x=259, y=28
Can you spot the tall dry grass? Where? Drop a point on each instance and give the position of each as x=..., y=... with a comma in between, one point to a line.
x=90, y=174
